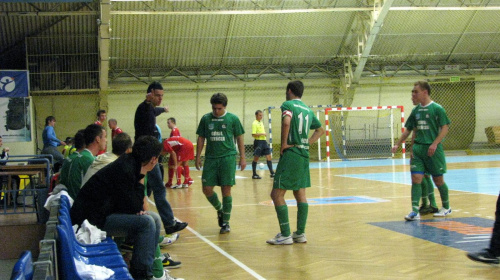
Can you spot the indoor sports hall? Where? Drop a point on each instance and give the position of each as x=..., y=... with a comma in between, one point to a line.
x=358, y=60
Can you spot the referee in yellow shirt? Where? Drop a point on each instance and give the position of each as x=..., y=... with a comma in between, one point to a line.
x=260, y=146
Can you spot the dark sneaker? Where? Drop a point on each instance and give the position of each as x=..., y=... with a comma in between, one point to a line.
x=168, y=262
x=485, y=256
x=256, y=177
x=124, y=247
x=427, y=210
x=219, y=218
x=225, y=228
x=177, y=227
x=272, y=175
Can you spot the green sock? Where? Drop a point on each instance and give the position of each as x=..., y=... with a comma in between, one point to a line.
x=430, y=191
x=157, y=263
x=443, y=191
x=282, y=212
x=214, y=200
x=227, y=205
x=425, y=199
x=416, y=193
x=302, y=211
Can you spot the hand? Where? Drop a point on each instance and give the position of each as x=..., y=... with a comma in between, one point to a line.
x=284, y=147
x=395, y=148
x=243, y=164
x=142, y=213
x=198, y=163
x=166, y=108
x=63, y=143
x=432, y=150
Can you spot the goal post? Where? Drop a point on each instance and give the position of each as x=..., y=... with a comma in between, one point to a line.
x=363, y=132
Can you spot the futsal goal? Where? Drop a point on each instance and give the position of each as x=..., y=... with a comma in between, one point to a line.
x=363, y=132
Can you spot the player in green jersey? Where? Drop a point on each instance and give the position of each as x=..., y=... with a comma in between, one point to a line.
x=430, y=123
x=220, y=128
x=292, y=172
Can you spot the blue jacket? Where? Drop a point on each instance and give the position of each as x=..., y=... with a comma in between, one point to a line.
x=49, y=137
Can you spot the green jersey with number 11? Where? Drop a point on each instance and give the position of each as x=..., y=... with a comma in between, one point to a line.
x=301, y=122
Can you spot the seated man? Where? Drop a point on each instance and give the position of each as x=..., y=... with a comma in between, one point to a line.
x=113, y=199
x=74, y=168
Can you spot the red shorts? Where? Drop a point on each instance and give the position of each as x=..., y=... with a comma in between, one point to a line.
x=184, y=152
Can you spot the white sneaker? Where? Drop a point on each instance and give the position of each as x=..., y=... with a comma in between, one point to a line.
x=169, y=239
x=185, y=186
x=299, y=238
x=443, y=212
x=412, y=216
x=166, y=276
x=280, y=240
x=178, y=186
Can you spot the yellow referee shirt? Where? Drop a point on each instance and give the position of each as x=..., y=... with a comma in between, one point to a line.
x=257, y=128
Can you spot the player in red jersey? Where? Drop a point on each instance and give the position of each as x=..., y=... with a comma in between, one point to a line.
x=171, y=124
x=181, y=150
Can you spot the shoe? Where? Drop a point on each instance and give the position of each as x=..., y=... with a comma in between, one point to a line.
x=124, y=247
x=412, y=216
x=168, y=262
x=443, y=212
x=178, y=186
x=175, y=228
x=280, y=240
x=225, y=228
x=256, y=177
x=485, y=256
x=169, y=239
x=220, y=215
x=272, y=175
x=188, y=182
x=427, y=209
x=299, y=238
x=166, y=276
x=168, y=185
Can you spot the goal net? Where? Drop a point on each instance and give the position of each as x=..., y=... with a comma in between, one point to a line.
x=363, y=132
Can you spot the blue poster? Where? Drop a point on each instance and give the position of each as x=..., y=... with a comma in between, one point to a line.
x=14, y=83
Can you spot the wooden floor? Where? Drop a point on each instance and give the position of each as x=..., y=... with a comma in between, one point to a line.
x=342, y=241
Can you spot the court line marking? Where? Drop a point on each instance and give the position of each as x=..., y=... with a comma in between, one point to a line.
x=218, y=249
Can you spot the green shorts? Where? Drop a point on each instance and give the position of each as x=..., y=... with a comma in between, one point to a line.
x=292, y=172
x=219, y=171
x=422, y=163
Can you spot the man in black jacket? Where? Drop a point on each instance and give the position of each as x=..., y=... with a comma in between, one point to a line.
x=113, y=200
x=145, y=124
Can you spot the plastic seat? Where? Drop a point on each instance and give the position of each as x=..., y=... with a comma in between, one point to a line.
x=68, y=267
x=67, y=256
x=23, y=269
x=104, y=248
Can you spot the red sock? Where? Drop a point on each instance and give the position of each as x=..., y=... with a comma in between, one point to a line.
x=170, y=174
x=186, y=172
x=179, y=174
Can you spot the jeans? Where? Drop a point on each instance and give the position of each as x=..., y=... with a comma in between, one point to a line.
x=58, y=157
x=495, y=238
x=155, y=184
x=144, y=230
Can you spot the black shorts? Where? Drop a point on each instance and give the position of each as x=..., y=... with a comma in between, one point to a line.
x=261, y=148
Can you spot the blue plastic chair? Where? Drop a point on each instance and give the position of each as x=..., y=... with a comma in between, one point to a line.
x=107, y=248
x=67, y=258
x=23, y=269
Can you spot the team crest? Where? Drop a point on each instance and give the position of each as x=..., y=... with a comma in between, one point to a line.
x=211, y=126
x=417, y=116
x=223, y=126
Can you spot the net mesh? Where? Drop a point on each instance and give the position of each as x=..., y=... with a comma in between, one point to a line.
x=363, y=134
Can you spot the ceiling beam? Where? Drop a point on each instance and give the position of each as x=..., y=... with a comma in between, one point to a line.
x=367, y=40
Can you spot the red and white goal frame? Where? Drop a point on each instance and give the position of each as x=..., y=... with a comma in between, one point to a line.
x=369, y=108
